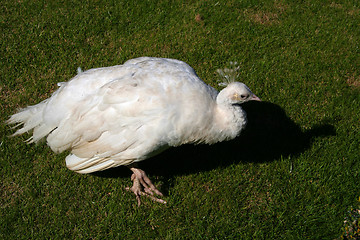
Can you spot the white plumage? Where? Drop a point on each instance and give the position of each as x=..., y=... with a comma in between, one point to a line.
x=123, y=114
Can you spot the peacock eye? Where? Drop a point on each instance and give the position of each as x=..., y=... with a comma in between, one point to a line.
x=243, y=96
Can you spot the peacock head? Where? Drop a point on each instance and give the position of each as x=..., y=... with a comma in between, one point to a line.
x=236, y=93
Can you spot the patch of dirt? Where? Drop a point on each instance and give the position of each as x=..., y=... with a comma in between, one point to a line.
x=353, y=80
x=267, y=17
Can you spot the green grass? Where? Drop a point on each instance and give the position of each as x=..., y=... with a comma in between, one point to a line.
x=293, y=174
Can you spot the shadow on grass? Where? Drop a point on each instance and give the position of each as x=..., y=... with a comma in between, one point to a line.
x=268, y=135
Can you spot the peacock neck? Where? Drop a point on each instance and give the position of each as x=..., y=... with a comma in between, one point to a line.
x=229, y=121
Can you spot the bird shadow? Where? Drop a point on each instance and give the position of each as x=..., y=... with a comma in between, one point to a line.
x=269, y=135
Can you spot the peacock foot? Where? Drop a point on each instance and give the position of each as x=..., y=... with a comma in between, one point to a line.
x=142, y=186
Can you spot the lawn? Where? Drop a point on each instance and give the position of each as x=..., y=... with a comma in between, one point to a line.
x=293, y=174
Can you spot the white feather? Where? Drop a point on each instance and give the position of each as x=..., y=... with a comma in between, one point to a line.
x=122, y=114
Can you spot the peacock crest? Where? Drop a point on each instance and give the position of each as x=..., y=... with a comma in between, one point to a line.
x=228, y=75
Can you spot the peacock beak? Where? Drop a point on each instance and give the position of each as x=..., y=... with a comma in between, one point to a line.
x=255, y=98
